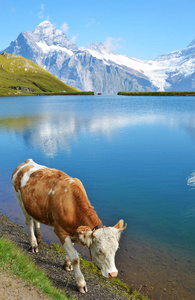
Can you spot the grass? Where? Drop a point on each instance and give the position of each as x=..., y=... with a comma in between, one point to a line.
x=167, y=93
x=20, y=76
x=12, y=259
x=70, y=93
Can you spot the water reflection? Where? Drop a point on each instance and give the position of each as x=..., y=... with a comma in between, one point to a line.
x=53, y=132
x=191, y=180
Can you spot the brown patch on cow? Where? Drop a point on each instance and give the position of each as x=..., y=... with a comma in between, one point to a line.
x=17, y=181
x=83, y=230
x=42, y=204
x=16, y=170
x=27, y=161
x=75, y=262
x=22, y=164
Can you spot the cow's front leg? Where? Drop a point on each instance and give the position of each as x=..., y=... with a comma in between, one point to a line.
x=74, y=258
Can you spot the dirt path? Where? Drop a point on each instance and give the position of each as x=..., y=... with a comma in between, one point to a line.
x=14, y=288
x=52, y=263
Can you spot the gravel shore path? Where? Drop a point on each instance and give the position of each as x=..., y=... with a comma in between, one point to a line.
x=49, y=260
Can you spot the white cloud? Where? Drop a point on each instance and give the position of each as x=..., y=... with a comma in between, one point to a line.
x=112, y=43
x=65, y=27
x=41, y=12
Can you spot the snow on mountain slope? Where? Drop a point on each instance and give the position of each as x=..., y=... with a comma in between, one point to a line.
x=151, y=69
x=158, y=70
x=53, y=48
x=99, y=69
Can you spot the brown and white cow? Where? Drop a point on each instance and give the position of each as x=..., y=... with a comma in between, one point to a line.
x=51, y=197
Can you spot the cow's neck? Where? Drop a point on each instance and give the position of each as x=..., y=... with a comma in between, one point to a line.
x=94, y=223
x=91, y=219
x=85, y=211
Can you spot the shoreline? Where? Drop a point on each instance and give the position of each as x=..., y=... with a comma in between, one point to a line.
x=167, y=93
x=51, y=94
x=154, y=271
x=50, y=259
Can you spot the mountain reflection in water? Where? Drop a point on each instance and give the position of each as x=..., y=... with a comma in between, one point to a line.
x=52, y=133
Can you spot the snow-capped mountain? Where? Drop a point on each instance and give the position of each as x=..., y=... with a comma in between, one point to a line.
x=101, y=70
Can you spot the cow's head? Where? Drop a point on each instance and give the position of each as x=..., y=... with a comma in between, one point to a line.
x=103, y=244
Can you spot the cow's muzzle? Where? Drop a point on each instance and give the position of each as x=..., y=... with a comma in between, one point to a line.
x=112, y=275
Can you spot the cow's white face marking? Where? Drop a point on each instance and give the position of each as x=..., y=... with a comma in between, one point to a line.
x=103, y=249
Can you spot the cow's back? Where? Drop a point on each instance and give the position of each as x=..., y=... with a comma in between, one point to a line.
x=43, y=190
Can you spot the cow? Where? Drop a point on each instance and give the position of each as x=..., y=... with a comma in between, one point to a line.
x=51, y=197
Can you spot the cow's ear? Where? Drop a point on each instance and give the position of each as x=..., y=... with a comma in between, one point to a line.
x=119, y=224
x=85, y=235
x=120, y=228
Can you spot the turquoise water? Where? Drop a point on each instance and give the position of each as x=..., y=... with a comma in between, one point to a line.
x=134, y=155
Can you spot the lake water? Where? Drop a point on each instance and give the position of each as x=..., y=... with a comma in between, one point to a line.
x=134, y=155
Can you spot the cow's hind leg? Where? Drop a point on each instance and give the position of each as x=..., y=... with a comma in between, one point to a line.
x=37, y=232
x=74, y=259
x=33, y=241
x=29, y=222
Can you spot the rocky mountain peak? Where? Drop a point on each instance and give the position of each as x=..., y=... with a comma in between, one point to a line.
x=192, y=43
x=47, y=33
x=45, y=23
x=99, y=47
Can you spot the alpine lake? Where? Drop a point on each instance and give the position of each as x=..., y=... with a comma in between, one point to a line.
x=136, y=159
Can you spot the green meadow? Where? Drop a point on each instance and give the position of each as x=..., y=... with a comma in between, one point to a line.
x=20, y=76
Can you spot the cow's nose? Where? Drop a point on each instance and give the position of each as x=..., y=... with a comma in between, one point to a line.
x=113, y=274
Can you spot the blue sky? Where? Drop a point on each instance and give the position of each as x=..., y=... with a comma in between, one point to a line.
x=137, y=28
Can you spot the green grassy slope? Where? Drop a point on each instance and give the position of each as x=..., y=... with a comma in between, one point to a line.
x=19, y=76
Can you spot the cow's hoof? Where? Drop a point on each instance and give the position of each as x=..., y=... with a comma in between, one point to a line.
x=34, y=249
x=68, y=266
x=83, y=289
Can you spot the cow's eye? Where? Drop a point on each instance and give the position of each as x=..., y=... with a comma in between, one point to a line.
x=100, y=251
